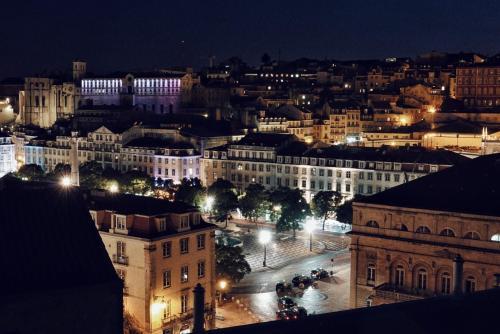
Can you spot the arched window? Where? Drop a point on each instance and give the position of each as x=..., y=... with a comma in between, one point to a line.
x=445, y=283
x=447, y=232
x=422, y=279
x=399, y=279
x=470, y=284
x=472, y=235
x=402, y=227
x=372, y=223
x=495, y=237
x=423, y=229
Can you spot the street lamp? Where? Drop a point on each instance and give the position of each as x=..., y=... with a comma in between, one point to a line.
x=310, y=228
x=222, y=287
x=113, y=188
x=66, y=181
x=264, y=238
x=209, y=203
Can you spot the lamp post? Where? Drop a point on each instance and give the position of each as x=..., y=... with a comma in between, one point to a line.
x=310, y=228
x=66, y=181
x=222, y=287
x=264, y=238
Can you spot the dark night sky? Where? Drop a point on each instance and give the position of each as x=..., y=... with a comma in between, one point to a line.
x=131, y=34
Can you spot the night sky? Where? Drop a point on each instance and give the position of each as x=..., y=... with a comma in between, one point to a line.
x=41, y=35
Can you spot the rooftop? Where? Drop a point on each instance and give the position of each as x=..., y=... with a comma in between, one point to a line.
x=471, y=187
x=451, y=314
x=156, y=142
x=48, y=237
x=265, y=139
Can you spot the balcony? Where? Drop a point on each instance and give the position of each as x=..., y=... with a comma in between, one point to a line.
x=393, y=293
x=183, y=317
x=120, y=259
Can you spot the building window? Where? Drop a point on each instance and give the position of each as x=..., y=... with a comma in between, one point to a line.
x=399, y=279
x=184, y=274
x=445, y=283
x=162, y=224
x=470, y=284
x=166, y=249
x=423, y=229
x=184, y=222
x=201, y=269
x=184, y=303
x=472, y=235
x=120, y=249
x=167, y=279
x=200, y=241
x=167, y=311
x=372, y=223
x=422, y=279
x=495, y=237
x=396, y=177
x=184, y=245
x=447, y=232
x=401, y=227
x=121, y=222
x=370, y=274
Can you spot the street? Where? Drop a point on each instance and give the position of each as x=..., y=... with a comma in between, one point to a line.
x=254, y=297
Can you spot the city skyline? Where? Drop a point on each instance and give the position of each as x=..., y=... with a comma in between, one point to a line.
x=133, y=36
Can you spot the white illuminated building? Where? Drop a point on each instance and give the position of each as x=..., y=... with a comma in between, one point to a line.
x=7, y=155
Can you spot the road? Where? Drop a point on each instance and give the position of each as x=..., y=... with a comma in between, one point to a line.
x=256, y=294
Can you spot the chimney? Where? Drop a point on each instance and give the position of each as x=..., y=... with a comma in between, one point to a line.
x=199, y=309
x=458, y=272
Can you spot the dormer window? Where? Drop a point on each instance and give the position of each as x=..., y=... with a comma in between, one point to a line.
x=184, y=223
x=120, y=222
x=162, y=224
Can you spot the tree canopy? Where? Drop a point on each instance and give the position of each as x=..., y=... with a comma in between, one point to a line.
x=324, y=205
x=254, y=203
x=224, y=199
x=231, y=263
x=190, y=191
x=31, y=172
x=344, y=211
x=294, y=210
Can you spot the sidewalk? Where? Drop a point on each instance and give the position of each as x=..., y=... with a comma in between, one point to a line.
x=234, y=313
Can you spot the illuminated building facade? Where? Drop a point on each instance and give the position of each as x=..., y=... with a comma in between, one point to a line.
x=404, y=241
x=7, y=155
x=160, y=250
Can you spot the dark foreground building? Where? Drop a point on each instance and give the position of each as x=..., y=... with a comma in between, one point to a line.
x=474, y=313
x=56, y=276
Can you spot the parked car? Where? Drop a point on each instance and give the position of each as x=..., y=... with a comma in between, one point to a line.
x=299, y=311
x=283, y=286
x=286, y=314
x=285, y=303
x=319, y=273
x=302, y=281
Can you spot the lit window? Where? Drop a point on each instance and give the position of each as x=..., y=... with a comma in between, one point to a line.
x=370, y=274
x=447, y=232
x=121, y=222
x=496, y=237
x=167, y=279
x=184, y=274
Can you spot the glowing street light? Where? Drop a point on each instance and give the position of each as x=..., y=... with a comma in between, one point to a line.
x=264, y=238
x=222, y=284
x=113, y=188
x=209, y=203
x=66, y=181
x=309, y=227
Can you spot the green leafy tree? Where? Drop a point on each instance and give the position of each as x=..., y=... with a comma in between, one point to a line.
x=231, y=263
x=254, y=203
x=136, y=182
x=31, y=172
x=294, y=211
x=344, y=211
x=60, y=171
x=91, y=175
x=190, y=191
x=324, y=204
x=225, y=199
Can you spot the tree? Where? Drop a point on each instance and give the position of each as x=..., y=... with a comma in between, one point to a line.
x=31, y=172
x=324, y=204
x=136, y=182
x=91, y=175
x=254, y=203
x=344, y=211
x=265, y=59
x=190, y=191
x=230, y=263
x=224, y=199
x=294, y=211
x=60, y=170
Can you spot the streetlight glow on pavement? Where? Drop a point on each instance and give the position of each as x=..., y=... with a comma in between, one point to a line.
x=264, y=238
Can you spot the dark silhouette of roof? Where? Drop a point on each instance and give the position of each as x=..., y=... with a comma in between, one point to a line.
x=156, y=142
x=473, y=313
x=48, y=240
x=459, y=126
x=265, y=139
x=141, y=205
x=470, y=187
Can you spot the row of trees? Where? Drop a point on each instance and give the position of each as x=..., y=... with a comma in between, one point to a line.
x=284, y=206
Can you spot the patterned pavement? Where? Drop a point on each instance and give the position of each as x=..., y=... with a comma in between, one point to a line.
x=284, y=249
